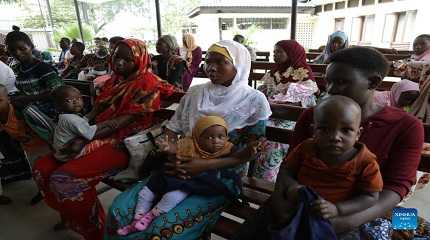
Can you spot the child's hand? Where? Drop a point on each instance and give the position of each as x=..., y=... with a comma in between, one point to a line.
x=324, y=209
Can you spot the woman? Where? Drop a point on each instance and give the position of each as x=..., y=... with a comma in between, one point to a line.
x=290, y=82
x=193, y=57
x=34, y=80
x=336, y=41
x=168, y=65
x=245, y=111
x=129, y=98
x=402, y=95
x=421, y=48
x=395, y=137
x=74, y=66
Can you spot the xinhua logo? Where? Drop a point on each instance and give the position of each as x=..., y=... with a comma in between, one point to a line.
x=405, y=218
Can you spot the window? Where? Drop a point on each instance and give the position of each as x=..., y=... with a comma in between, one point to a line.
x=318, y=9
x=384, y=1
x=389, y=27
x=328, y=7
x=226, y=23
x=279, y=23
x=368, y=2
x=339, y=24
x=399, y=27
x=405, y=26
x=353, y=3
x=339, y=5
x=369, y=22
x=357, y=27
x=264, y=23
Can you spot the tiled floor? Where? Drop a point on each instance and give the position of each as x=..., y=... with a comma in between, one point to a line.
x=20, y=221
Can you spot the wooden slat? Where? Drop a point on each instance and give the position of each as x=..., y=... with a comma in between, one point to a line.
x=254, y=196
x=258, y=184
x=225, y=227
x=286, y=112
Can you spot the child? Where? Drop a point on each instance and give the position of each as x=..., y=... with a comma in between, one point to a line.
x=209, y=140
x=333, y=163
x=71, y=125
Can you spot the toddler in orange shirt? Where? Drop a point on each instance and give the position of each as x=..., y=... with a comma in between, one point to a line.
x=341, y=170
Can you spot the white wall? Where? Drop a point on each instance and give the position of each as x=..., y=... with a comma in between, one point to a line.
x=208, y=29
x=324, y=24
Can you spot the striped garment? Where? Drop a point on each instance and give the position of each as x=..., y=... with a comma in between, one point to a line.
x=38, y=79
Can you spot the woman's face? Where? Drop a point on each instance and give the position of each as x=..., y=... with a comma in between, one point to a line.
x=279, y=55
x=421, y=45
x=162, y=47
x=123, y=62
x=22, y=52
x=342, y=79
x=219, y=69
x=336, y=44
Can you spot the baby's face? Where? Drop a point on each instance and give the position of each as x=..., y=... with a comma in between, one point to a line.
x=72, y=102
x=213, y=139
x=336, y=132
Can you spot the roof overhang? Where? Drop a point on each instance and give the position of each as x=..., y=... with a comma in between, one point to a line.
x=240, y=9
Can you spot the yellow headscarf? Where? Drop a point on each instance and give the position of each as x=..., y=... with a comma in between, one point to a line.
x=190, y=147
x=221, y=50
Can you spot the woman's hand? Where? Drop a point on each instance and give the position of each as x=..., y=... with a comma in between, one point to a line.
x=185, y=168
x=74, y=146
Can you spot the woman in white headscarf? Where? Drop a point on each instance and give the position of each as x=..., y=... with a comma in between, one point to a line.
x=245, y=110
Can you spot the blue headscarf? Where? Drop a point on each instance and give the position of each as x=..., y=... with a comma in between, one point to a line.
x=338, y=34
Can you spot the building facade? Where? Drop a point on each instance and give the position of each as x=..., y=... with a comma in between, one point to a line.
x=262, y=23
x=380, y=23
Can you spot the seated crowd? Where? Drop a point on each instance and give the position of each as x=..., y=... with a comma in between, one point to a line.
x=353, y=156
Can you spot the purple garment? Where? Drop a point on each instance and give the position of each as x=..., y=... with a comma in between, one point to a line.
x=305, y=225
x=188, y=75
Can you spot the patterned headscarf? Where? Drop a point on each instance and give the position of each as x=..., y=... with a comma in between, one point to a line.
x=138, y=94
x=296, y=68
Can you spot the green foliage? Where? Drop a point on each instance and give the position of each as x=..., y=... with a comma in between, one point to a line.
x=63, y=13
x=72, y=31
x=248, y=33
x=173, y=14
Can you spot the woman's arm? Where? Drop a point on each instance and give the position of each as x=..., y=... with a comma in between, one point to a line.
x=356, y=204
x=387, y=201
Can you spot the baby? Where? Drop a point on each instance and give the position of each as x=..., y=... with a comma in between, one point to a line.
x=71, y=125
x=342, y=171
x=209, y=140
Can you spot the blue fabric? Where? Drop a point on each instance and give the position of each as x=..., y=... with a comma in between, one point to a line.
x=304, y=224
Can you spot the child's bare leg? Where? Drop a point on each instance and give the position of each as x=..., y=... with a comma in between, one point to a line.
x=167, y=202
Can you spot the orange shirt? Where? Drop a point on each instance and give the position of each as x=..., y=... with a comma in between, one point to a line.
x=336, y=183
x=18, y=130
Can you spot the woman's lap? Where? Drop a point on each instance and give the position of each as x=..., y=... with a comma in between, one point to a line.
x=187, y=221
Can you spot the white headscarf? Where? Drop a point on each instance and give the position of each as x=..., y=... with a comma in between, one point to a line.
x=239, y=104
